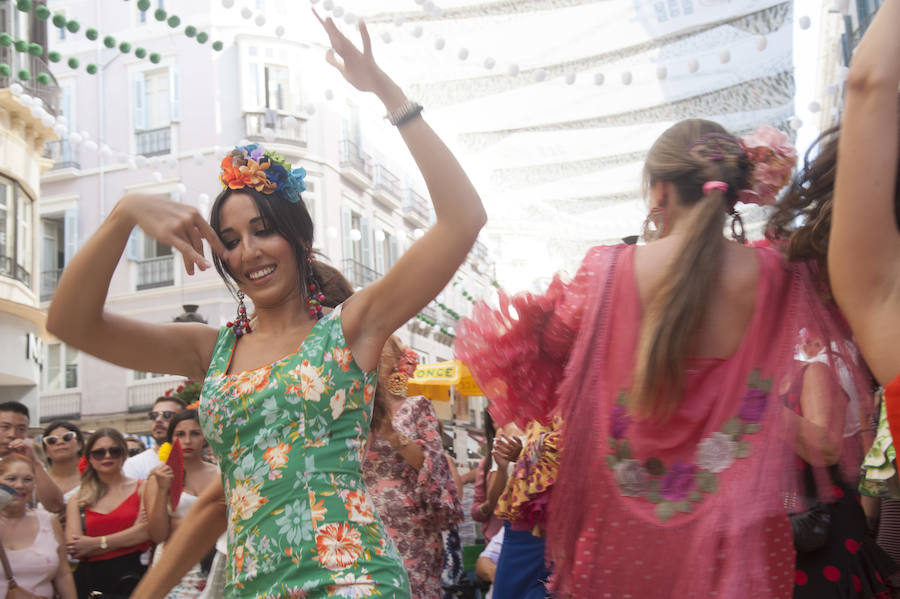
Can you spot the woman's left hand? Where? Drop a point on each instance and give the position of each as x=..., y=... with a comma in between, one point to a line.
x=82, y=546
x=358, y=68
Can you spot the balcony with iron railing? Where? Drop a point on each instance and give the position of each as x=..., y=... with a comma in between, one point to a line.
x=49, y=93
x=49, y=281
x=153, y=142
x=155, y=272
x=358, y=274
x=9, y=268
x=417, y=208
x=64, y=404
x=387, y=186
x=142, y=394
x=62, y=153
x=287, y=128
x=356, y=165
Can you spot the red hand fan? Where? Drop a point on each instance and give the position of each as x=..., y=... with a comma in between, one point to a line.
x=175, y=461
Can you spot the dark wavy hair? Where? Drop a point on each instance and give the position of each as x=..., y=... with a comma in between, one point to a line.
x=801, y=223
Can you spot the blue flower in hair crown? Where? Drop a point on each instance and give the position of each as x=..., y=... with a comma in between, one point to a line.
x=263, y=170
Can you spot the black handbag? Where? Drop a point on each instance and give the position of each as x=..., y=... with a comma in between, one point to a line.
x=811, y=527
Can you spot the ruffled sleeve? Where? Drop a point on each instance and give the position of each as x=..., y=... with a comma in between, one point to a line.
x=435, y=492
x=525, y=499
x=517, y=354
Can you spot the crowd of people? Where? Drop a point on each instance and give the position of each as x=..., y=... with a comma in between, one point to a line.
x=691, y=416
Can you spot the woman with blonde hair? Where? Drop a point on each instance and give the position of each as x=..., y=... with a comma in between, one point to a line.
x=31, y=540
x=665, y=362
x=106, y=523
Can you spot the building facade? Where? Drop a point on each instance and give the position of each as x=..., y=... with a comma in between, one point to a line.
x=23, y=133
x=161, y=126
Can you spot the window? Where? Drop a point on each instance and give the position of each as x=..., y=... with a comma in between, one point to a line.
x=62, y=367
x=386, y=250
x=15, y=231
x=276, y=87
x=155, y=261
x=146, y=376
x=269, y=85
x=62, y=30
x=157, y=104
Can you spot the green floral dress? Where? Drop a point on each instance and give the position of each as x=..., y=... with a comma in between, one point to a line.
x=290, y=439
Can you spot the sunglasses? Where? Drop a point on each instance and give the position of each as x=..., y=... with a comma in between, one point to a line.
x=167, y=415
x=134, y=451
x=113, y=452
x=54, y=439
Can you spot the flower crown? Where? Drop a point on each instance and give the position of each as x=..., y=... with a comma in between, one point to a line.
x=263, y=170
x=767, y=152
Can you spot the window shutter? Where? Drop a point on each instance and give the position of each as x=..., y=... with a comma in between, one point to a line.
x=174, y=94
x=380, y=266
x=140, y=99
x=395, y=250
x=70, y=233
x=134, y=244
x=346, y=242
x=366, y=242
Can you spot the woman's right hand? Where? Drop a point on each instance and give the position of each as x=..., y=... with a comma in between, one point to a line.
x=163, y=475
x=177, y=225
x=506, y=449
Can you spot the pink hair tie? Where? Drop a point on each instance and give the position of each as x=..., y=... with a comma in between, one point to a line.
x=711, y=185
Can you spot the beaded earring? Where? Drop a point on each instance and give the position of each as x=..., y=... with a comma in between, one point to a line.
x=316, y=297
x=737, y=227
x=241, y=323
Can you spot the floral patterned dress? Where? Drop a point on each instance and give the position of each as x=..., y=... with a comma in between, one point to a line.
x=290, y=438
x=415, y=505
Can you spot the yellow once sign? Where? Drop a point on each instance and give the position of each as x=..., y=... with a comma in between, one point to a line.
x=434, y=380
x=446, y=373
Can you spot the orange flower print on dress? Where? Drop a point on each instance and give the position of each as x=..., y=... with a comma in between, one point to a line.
x=338, y=545
x=277, y=457
x=359, y=508
x=312, y=383
x=368, y=393
x=245, y=500
x=342, y=357
x=317, y=508
x=251, y=381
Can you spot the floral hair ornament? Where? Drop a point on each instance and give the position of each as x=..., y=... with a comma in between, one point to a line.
x=263, y=170
x=773, y=157
x=188, y=392
x=398, y=382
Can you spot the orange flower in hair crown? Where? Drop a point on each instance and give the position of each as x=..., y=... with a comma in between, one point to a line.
x=263, y=170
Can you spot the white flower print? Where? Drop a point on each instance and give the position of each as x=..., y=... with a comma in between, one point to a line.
x=716, y=452
x=337, y=403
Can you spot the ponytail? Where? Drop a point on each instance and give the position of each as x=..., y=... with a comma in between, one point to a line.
x=675, y=313
x=690, y=155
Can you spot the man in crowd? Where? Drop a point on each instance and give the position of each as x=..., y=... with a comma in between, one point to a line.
x=164, y=409
x=14, y=421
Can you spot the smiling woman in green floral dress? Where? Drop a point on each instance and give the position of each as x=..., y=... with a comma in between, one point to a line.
x=286, y=405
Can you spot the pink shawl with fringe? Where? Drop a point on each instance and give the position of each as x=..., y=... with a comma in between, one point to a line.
x=694, y=506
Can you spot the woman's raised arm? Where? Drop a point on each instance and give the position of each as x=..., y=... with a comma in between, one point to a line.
x=197, y=534
x=864, y=247
x=76, y=314
x=425, y=269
